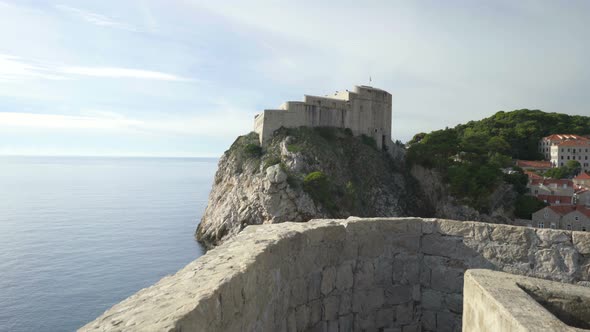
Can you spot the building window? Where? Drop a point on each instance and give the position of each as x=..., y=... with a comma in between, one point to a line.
x=568, y=157
x=568, y=227
x=561, y=150
x=562, y=158
x=583, y=228
x=552, y=226
x=576, y=218
x=557, y=201
x=541, y=225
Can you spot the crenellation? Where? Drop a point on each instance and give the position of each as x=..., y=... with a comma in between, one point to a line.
x=365, y=111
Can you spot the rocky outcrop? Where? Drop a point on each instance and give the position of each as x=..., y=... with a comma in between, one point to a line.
x=345, y=275
x=272, y=185
x=435, y=190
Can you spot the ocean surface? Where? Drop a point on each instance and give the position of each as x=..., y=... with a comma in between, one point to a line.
x=79, y=234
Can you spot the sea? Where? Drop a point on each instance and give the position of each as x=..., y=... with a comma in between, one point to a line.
x=80, y=234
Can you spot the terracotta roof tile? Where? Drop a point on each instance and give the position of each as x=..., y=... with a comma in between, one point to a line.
x=575, y=143
x=533, y=163
x=553, y=199
x=532, y=175
x=562, y=209
x=557, y=137
x=582, y=176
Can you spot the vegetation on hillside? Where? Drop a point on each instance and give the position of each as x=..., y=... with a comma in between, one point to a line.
x=471, y=156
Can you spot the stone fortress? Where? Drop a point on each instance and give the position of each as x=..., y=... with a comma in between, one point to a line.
x=365, y=111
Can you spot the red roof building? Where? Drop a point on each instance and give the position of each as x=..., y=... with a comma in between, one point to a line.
x=561, y=148
x=533, y=164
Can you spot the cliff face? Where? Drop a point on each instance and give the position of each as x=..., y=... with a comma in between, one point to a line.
x=499, y=209
x=302, y=174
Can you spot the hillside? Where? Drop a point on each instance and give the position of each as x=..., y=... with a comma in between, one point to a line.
x=470, y=157
x=302, y=174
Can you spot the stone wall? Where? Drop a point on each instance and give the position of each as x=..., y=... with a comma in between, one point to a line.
x=498, y=301
x=400, y=274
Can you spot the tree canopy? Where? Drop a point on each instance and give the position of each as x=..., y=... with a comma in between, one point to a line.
x=471, y=156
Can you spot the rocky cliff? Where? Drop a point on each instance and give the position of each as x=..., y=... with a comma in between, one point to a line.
x=499, y=205
x=306, y=173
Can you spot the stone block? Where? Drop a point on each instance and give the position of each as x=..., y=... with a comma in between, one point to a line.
x=328, y=280
x=439, y=245
x=298, y=290
x=345, y=307
x=550, y=237
x=291, y=321
x=367, y=300
x=333, y=326
x=454, y=228
x=416, y=327
x=314, y=283
x=453, y=302
x=406, y=268
x=582, y=242
x=447, y=279
x=432, y=299
x=315, y=311
x=345, y=323
x=302, y=315
x=384, y=317
x=364, y=275
x=446, y=321
x=428, y=320
x=397, y=294
x=331, y=306
x=404, y=313
x=405, y=242
x=344, y=276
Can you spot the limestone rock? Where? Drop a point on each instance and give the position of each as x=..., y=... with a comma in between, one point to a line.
x=256, y=185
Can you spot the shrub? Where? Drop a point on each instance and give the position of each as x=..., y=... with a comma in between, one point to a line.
x=526, y=205
x=370, y=141
x=253, y=150
x=317, y=185
x=271, y=161
x=294, y=148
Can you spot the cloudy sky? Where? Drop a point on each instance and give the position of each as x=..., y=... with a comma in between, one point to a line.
x=185, y=77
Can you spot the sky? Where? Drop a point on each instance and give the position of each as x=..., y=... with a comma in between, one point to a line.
x=186, y=77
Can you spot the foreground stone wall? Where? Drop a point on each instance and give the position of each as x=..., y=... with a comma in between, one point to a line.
x=400, y=274
x=498, y=301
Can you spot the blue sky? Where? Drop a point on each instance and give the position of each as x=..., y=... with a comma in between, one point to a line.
x=184, y=78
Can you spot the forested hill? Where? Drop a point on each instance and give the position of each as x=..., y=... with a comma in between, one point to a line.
x=470, y=156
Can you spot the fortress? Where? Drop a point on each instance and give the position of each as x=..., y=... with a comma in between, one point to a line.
x=365, y=111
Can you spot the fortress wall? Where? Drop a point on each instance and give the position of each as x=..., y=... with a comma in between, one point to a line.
x=345, y=275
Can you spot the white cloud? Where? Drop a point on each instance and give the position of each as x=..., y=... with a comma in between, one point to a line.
x=14, y=68
x=207, y=125
x=96, y=19
x=114, y=72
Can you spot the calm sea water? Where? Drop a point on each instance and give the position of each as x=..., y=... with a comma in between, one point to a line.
x=78, y=235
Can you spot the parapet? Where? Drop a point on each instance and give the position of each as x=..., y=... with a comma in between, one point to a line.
x=345, y=275
x=497, y=301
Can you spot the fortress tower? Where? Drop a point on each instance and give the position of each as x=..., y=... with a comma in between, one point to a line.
x=366, y=110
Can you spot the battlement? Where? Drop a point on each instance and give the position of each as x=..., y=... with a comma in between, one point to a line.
x=365, y=111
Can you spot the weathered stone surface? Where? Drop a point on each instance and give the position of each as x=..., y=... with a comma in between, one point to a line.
x=497, y=301
x=301, y=276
